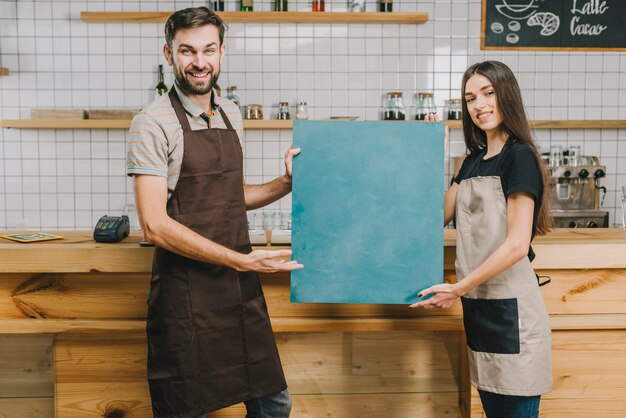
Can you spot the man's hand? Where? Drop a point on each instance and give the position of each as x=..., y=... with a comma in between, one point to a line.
x=433, y=117
x=444, y=296
x=264, y=261
x=289, y=160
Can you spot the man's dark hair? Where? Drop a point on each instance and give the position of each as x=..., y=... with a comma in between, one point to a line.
x=193, y=17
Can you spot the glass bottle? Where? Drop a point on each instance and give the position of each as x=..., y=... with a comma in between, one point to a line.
x=231, y=94
x=283, y=111
x=425, y=105
x=216, y=5
x=302, y=113
x=394, y=107
x=454, y=109
x=247, y=5
x=280, y=5
x=318, y=5
x=160, y=88
x=357, y=5
x=385, y=5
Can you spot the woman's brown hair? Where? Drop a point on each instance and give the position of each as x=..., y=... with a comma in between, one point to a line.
x=514, y=123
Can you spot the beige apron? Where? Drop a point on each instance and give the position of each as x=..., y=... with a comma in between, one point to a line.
x=506, y=321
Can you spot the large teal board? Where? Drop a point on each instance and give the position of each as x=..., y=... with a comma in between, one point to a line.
x=367, y=211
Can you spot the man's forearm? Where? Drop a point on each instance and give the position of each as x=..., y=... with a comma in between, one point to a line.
x=175, y=237
x=259, y=195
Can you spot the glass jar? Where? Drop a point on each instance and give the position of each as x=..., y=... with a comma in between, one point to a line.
x=385, y=5
x=394, y=107
x=357, y=5
x=216, y=5
x=280, y=5
x=318, y=5
x=283, y=111
x=302, y=112
x=254, y=111
x=454, y=109
x=425, y=105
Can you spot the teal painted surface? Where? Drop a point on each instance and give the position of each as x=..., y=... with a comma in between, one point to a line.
x=367, y=211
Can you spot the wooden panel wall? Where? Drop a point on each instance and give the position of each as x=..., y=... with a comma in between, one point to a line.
x=589, y=372
x=339, y=375
x=26, y=376
x=89, y=296
x=329, y=373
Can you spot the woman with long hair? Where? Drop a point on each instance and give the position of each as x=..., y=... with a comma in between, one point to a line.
x=498, y=201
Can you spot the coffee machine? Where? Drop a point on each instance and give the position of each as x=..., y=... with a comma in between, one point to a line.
x=574, y=189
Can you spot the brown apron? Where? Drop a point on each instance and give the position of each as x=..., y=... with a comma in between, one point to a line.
x=506, y=322
x=210, y=341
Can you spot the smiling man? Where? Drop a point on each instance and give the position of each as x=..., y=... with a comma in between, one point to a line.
x=210, y=342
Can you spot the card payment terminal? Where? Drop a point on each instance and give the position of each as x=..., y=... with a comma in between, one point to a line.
x=111, y=229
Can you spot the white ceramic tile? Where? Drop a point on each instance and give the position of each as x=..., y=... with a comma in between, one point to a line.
x=336, y=68
x=357, y=46
x=100, y=202
x=610, y=98
x=593, y=98
x=253, y=167
x=117, y=184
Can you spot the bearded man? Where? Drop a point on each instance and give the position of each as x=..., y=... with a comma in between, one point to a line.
x=210, y=341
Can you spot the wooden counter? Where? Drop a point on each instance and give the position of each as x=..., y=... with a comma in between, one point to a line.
x=72, y=319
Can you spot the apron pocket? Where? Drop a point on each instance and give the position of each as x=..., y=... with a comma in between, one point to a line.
x=492, y=325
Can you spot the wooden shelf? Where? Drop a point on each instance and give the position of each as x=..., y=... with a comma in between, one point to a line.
x=66, y=123
x=561, y=124
x=267, y=124
x=264, y=17
x=4, y=71
x=579, y=124
x=279, y=124
x=118, y=124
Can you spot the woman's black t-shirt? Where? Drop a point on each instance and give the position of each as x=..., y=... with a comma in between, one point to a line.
x=517, y=168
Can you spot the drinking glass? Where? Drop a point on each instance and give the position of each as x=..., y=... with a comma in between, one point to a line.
x=133, y=219
x=556, y=155
x=268, y=220
x=251, y=221
x=573, y=156
x=624, y=207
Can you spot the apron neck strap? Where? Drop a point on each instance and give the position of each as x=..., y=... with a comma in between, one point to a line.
x=225, y=119
x=180, y=111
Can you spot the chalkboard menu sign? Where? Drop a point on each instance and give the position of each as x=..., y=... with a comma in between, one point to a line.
x=554, y=24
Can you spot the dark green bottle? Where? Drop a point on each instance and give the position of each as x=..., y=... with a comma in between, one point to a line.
x=160, y=88
x=247, y=5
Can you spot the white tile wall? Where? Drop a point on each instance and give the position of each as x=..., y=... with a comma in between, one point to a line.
x=67, y=179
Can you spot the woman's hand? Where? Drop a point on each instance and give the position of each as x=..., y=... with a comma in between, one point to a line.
x=444, y=296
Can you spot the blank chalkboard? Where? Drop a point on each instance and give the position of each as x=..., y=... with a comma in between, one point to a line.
x=367, y=211
x=554, y=24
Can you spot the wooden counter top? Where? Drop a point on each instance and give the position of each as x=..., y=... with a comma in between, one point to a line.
x=83, y=306
x=78, y=253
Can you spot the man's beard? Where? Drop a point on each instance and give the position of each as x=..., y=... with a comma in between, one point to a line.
x=185, y=84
